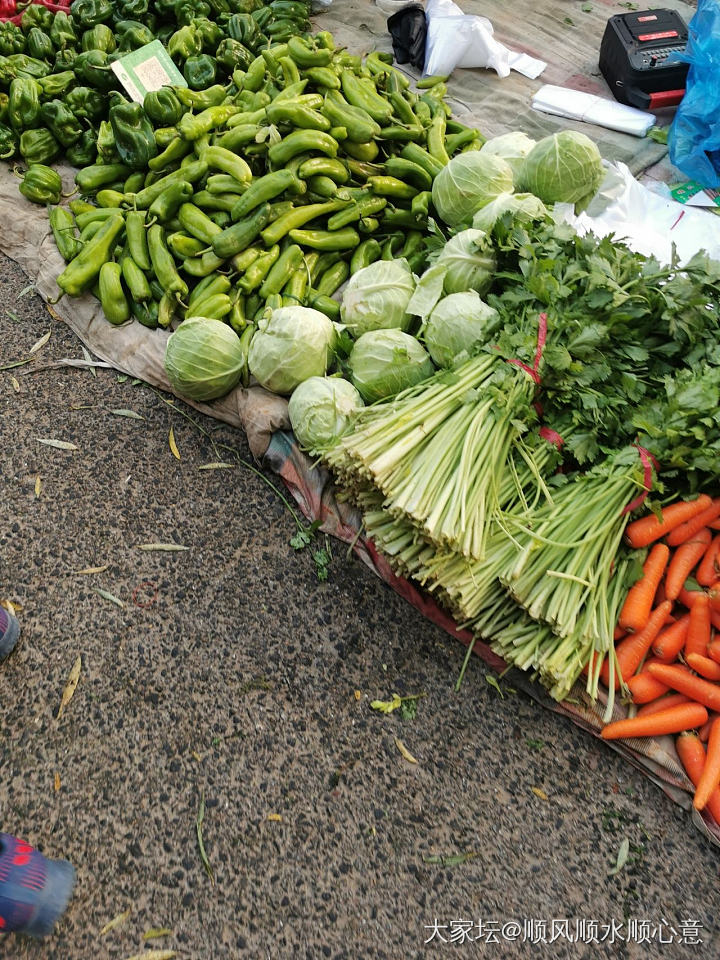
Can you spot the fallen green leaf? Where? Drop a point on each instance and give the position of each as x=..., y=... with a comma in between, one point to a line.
x=621, y=857
x=106, y=595
x=39, y=344
x=127, y=413
x=658, y=134
x=167, y=547
x=57, y=444
x=569, y=21
x=492, y=681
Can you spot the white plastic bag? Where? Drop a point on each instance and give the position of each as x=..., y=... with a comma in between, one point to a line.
x=456, y=40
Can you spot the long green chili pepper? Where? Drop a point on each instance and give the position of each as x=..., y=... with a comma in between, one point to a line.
x=164, y=265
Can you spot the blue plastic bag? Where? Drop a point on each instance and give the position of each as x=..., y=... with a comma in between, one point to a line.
x=694, y=136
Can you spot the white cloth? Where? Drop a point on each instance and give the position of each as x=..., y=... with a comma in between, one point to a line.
x=577, y=105
x=456, y=40
x=649, y=223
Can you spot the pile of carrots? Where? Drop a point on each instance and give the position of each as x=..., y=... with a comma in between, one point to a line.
x=667, y=642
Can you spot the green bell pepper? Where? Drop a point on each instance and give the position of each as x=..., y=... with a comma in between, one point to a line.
x=163, y=107
x=82, y=272
x=4, y=107
x=106, y=148
x=242, y=27
x=39, y=45
x=62, y=32
x=62, y=224
x=87, y=103
x=41, y=184
x=133, y=9
x=64, y=59
x=12, y=39
x=210, y=33
x=132, y=35
x=134, y=136
x=36, y=15
x=99, y=37
x=38, y=146
x=20, y=64
x=200, y=71
x=24, y=104
x=112, y=296
x=185, y=42
x=55, y=84
x=61, y=122
x=93, y=68
x=233, y=55
x=83, y=153
x=8, y=142
x=88, y=13
x=188, y=10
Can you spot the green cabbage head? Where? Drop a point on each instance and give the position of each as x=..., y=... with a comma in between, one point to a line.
x=384, y=362
x=457, y=325
x=377, y=296
x=467, y=183
x=203, y=359
x=523, y=207
x=321, y=409
x=565, y=167
x=469, y=262
x=290, y=345
x=512, y=147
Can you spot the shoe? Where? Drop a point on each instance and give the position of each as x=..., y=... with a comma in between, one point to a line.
x=9, y=632
x=34, y=891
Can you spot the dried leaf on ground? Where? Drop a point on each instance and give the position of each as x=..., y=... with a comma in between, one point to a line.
x=173, y=446
x=38, y=486
x=106, y=595
x=40, y=343
x=154, y=932
x=217, y=466
x=404, y=751
x=115, y=922
x=15, y=384
x=70, y=686
x=167, y=547
x=57, y=444
x=154, y=955
x=56, y=781
x=276, y=817
x=87, y=570
x=201, y=845
x=453, y=860
x=539, y=793
x=89, y=358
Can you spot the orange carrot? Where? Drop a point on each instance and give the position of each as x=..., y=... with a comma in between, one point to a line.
x=644, y=688
x=704, y=666
x=632, y=649
x=619, y=633
x=688, y=597
x=638, y=603
x=709, y=570
x=692, y=756
x=677, y=678
x=704, y=731
x=670, y=641
x=687, y=716
x=715, y=618
x=687, y=530
x=713, y=650
x=715, y=524
x=662, y=703
x=710, y=777
x=714, y=594
x=698, y=634
x=685, y=559
x=645, y=530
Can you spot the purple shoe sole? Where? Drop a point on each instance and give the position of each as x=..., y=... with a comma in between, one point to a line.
x=9, y=633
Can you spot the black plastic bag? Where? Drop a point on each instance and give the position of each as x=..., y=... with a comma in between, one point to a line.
x=408, y=29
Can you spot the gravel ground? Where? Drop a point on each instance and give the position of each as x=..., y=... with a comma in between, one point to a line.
x=228, y=671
